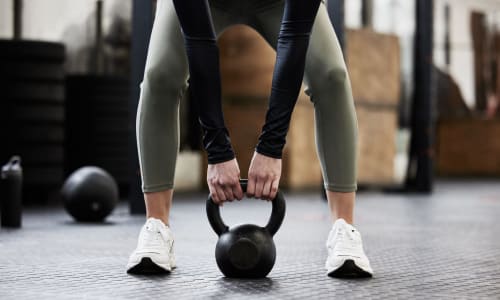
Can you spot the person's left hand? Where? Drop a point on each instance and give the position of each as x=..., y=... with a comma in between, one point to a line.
x=263, y=177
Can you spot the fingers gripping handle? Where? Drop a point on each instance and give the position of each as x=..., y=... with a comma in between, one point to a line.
x=277, y=214
x=213, y=212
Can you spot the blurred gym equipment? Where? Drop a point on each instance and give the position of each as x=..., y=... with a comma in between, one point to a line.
x=90, y=194
x=11, y=187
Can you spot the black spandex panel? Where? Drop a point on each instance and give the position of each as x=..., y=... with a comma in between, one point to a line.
x=203, y=57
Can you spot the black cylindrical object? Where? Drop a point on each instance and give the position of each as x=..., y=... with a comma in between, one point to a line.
x=11, y=187
x=18, y=19
x=420, y=172
x=367, y=13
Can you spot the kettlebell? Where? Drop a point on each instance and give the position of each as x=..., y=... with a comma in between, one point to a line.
x=246, y=251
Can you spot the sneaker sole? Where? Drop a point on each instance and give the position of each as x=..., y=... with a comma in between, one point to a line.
x=349, y=270
x=147, y=266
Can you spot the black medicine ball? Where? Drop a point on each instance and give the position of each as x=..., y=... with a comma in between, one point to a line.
x=90, y=194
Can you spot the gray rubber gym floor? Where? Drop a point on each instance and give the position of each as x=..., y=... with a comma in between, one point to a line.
x=446, y=246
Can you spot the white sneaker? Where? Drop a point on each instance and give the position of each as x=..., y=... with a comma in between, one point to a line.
x=346, y=258
x=154, y=252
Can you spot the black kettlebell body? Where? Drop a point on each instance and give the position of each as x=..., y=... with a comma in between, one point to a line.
x=246, y=251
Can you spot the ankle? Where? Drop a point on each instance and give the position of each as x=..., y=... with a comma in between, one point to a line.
x=347, y=219
x=341, y=205
x=158, y=205
x=163, y=218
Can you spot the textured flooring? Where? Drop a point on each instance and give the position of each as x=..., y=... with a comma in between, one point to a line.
x=446, y=246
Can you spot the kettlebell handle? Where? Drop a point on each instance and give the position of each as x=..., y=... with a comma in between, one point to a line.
x=274, y=223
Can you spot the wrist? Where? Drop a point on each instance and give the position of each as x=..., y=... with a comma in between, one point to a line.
x=271, y=154
x=270, y=145
x=217, y=158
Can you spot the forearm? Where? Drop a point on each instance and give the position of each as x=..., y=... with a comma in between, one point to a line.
x=203, y=58
x=291, y=51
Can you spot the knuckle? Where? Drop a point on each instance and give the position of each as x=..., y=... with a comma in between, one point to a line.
x=221, y=182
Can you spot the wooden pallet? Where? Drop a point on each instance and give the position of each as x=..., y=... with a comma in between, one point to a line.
x=468, y=147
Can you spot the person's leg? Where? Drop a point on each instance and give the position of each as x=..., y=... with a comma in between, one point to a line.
x=165, y=78
x=157, y=127
x=336, y=123
x=157, y=123
x=336, y=138
x=335, y=117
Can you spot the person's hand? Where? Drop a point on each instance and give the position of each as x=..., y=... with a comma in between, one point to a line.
x=224, y=181
x=263, y=177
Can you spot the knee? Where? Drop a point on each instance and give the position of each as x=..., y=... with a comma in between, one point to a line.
x=332, y=81
x=336, y=76
x=162, y=80
x=154, y=77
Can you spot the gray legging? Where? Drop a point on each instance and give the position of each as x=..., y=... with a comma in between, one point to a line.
x=165, y=80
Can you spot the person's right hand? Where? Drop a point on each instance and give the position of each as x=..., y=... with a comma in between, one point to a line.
x=224, y=181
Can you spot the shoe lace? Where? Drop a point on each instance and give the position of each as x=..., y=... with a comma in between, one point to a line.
x=346, y=241
x=153, y=237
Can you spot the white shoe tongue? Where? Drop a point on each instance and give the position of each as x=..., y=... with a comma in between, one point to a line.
x=340, y=223
x=152, y=224
x=343, y=223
